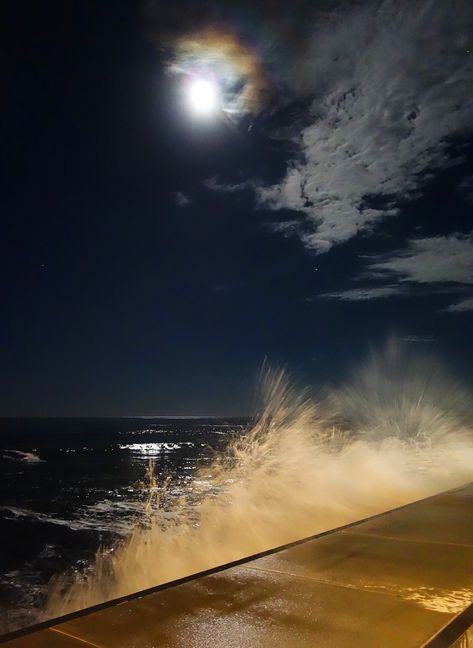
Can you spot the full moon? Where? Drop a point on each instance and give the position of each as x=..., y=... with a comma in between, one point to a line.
x=203, y=96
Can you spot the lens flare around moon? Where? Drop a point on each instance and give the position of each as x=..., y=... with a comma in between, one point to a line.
x=220, y=73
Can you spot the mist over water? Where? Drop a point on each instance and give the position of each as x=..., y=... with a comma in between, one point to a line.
x=397, y=431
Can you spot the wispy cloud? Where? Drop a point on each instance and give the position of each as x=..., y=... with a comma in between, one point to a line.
x=432, y=265
x=462, y=306
x=436, y=259
x=419, y=339
x=391, y=83
x=466, y=189
x=225, y=187
x=364, y=294
x=182, y=200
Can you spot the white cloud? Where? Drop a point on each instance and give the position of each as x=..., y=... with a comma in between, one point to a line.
x=437, y=259
x=392, y=84
x=431, y=265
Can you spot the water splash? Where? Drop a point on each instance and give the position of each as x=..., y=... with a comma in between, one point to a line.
x=397, y=432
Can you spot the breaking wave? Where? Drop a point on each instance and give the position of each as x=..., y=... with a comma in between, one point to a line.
x=19, y=455
x=398, y=431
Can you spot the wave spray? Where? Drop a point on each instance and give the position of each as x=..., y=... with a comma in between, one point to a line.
x=397, y=432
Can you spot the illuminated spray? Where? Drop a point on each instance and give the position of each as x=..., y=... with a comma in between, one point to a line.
x=398, y=432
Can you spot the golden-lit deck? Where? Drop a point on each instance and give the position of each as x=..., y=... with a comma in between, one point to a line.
x=402, y=579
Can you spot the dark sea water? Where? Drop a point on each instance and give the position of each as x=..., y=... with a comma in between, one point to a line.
x=68, y=486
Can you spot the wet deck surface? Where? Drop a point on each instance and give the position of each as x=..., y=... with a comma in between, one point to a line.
x=392, y=581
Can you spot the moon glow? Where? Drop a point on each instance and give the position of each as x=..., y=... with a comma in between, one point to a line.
x=203, y=97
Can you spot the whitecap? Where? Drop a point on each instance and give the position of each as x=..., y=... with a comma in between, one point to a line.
x=20, y=455
x=82, y=523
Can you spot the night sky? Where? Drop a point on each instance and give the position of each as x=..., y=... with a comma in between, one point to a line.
x=152, y=258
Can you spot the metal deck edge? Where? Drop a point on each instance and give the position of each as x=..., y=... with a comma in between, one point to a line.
x=453, y=631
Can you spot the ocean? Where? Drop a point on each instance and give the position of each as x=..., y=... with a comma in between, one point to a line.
x=70, y=486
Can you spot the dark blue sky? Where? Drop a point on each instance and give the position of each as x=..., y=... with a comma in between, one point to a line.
x=149, y=263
